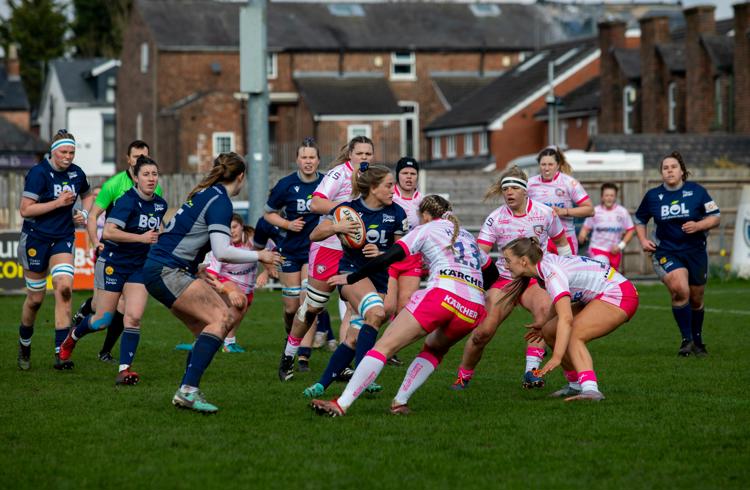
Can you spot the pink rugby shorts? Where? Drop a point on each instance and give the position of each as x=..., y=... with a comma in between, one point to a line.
x=411, y=266
x=323, y=262
x=437, y=308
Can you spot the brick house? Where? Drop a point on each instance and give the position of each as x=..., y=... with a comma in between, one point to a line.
x=334, y=70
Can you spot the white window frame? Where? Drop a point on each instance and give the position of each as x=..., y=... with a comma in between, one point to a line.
x=412, y=115
x=108, y=120
x=402, y=58
x=593, y=126
x=353, y=130
x=144, y=57
x=139, y=126
x=718, y=102
x=484, y=147
x=437, y=150
x=629, y=95
x=272, y=66
x=469, y=144
x=450, y=146
x=216, y=136
x=672, y=106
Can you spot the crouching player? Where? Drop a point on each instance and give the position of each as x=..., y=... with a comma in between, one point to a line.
x=444, y=312
x=591, y=300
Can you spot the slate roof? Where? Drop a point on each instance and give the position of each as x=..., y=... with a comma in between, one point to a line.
x=629, y=61
x=720, y=49
x=585, y=99
x=424, y=26
x=487, y=104
x=348, y=95
x=15, y=140
x=75, y=79
x=12, y=93
x=453, y=89
x=673, y=55
x=698, y=149
x=722, y=29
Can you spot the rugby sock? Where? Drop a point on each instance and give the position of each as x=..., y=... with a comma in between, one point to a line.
x=465, y=374
x=367, y=371
x=365, y=341
x=587, y=380
x=113, y=332
x=572, y=377
x=697, y=326
x=128, y=346
x=83, y=328
x=534, y=357
x=230, y=340
x=292, y=346
x=86, y=308
x=305, y=352
x=187, y=363
x=683, y=316
x=24, y=335
x=324, y=324
x=340, y=359
x=203, y=353
x=419, y=370
x=60, y=335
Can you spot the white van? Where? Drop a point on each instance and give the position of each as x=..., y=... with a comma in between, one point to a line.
x=582, y=161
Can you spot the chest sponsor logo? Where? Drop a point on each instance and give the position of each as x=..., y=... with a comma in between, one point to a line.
x=387, y=218
x=65, y=186
x=149, y=222
x=687, y=193
x=675, y=209
x=303, y=205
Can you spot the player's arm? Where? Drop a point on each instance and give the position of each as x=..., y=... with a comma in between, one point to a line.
x=276, y=219
x=704, y=224
x=564, y=314
x=583, y=209
x=113, y=231
x=91, y=226
x=321, y=205
x=583, y=235
x=327, y=228
x=561, y=242
x=394, y=254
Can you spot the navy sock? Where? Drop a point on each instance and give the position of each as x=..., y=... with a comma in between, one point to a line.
x=340, y=359
x=83, y=328
x=129, y=345
x=305, y=352
x=86, y=308
x=365, y=341
x=683, y=315
x=25, y=333
x=114, y=330
x=203, y=353
x=324, y=324
x=60, y=335
x=697, y=326
x=187, y=364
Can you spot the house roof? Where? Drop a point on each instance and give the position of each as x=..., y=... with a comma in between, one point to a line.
x=723, y=27
x=585, y=99
x=332, y=96
x=453, y=89
x=487, y=104
x=12, y=93
x=77, y=80
x=15, y=140
x=673, y=55
x=314, y=26
x=720, y=49
x=629, y=61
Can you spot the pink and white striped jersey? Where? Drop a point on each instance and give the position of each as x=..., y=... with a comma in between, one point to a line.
x=336, y=186
x=562, y=192
x=243, y=275
x=581, y=278
x=410, y=205
x=608, y=226
x=457, y=269
x=501, y=227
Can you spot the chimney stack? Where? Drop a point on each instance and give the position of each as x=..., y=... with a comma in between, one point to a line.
x=654, y=30
x=698, y=77
x=611, y=36
x=742, y=68
x=12, y=65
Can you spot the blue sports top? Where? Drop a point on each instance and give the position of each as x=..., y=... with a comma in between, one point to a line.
x=291, y=198
x=671, y=209
x=45, y=184
x=133, y=214
x=185, y=241
x=265, y=231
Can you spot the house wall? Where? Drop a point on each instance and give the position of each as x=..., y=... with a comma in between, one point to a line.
x=86, y=125
x=742, y=67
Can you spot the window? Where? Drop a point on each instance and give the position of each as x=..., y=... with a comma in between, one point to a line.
x=718, y=106
x=483, y=147
x=469, y=144
x=410, y=128
x=485, y=9
x=109, y=95
x=272, y=67
x=628, y=104
x=450, y=146
x=562, y=136
x=108, y=138
x=403, y=66
x=437, y=151
x=593, y=126
x=144, y=57
x=672, y=107
x=139, y=126
x=354, y=130
x=346, y=10
x=223, y=142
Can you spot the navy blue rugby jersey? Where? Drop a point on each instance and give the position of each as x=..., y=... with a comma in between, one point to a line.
x=671, y=209
x=43, y=184
x=291, y=198
x=185, y=239
x=265, y=231
x=384, y=226
x=133, y=214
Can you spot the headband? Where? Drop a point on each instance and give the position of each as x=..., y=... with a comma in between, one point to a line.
x=512, y=182
x=63, y=142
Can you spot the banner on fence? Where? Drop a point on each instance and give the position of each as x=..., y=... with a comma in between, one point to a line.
x=11, y=272
x=741, y=248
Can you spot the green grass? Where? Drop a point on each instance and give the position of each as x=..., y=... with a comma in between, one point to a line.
x=667, y=422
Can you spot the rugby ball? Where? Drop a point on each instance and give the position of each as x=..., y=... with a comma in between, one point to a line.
x=355, y=239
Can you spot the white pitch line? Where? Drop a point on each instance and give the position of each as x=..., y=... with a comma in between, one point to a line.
x=709, y=310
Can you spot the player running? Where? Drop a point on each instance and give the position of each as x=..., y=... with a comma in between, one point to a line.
x=611, y=229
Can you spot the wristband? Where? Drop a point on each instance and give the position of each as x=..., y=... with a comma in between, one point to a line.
x=85, y=214
x=564, y=250
x=622, y=245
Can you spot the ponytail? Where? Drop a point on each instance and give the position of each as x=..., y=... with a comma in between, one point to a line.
x=520, y=247
x=439, y=207
x=227, y=166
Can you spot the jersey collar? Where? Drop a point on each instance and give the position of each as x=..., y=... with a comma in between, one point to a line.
x=528, y=208
x=557, y=174
x=397, y=192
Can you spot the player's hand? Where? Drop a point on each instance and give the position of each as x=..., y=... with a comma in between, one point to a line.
x=551, y=364
x=370, y=250
x=338, y=280
x=648, y=246
x=79, y=219
x=214, y=282
x=615, y=250
x=691, y=227
x=237, y=299
x=271, y=259
x=66, y=198
x=296, y=225
x=150, y=237
x=262, y=279
x=534, y=333
x=560, y=212
x=345, y=226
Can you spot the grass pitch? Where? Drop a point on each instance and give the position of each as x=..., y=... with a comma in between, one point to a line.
x=667, y=422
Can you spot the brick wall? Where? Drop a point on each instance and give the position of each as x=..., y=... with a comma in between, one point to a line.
x=699, y=70
x=611, y=36
x=742, y=68
x=654, y=30
x=22, y=119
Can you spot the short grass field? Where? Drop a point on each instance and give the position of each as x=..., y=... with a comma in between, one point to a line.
x=667, y=422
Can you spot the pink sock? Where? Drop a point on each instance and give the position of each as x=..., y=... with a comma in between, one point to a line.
x=420, y=369
x=367, y=371
x=292, y=346
x=465, y=374
x=534, y=357
x=571, y=376
x=587, y=380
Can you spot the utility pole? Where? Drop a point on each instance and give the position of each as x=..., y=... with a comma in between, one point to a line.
x=551, y=106
x=253, y=82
